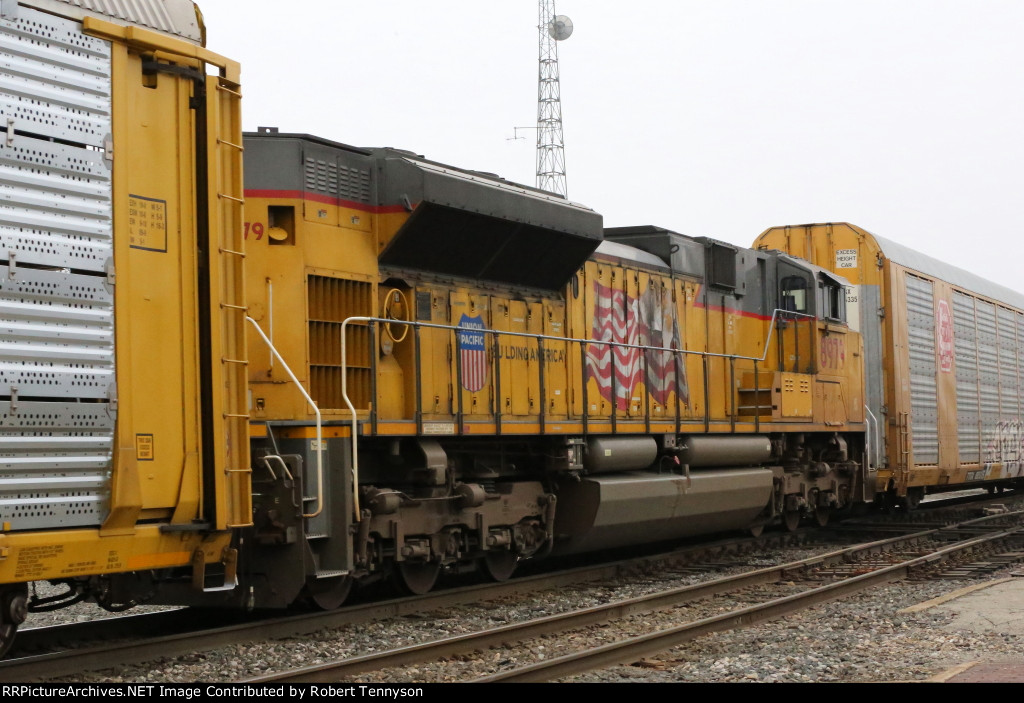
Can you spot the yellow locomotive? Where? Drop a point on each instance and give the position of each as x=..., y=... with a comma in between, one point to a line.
x=492, y=376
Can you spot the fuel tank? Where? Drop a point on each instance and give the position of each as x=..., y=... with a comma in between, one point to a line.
x=604, y=512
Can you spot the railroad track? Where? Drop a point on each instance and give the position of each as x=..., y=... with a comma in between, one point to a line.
x=191, y=631
x=844, y=571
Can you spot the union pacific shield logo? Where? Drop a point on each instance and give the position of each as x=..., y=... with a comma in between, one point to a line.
x=473, y=352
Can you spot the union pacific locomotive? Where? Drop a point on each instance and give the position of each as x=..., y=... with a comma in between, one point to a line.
x=360, y=364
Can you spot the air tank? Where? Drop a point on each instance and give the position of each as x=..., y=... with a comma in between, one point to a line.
x=610, y=454
x=730, y=450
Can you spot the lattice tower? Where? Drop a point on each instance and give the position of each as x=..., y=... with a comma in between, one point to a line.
x=550, y=141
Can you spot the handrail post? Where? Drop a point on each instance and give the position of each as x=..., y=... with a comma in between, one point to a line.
x=496, y=363
x=647, y=391
x=757, y=398
x=707, y=404
x=615, y=387
x=458, y=380
x=679, y=385
x=540, y=382
x=417, y=362
x=373, y=377
x=319, y=433
x=732, y=392
x=586, y=382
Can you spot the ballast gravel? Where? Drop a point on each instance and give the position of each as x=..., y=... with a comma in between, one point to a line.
x=863, y=638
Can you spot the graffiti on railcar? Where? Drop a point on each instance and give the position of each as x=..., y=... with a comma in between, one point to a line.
x=1006, y=446
x=646, y=321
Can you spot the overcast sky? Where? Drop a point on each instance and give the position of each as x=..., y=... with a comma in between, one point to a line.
x=718, y=118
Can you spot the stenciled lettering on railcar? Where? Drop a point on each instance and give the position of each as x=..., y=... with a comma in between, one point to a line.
x=147, y=223
x=846, y=258
x=944, y=336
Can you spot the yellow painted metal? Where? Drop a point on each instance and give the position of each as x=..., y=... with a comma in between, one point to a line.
x=797, y=395
x=143, y=40
x=158, y=470
x=336, y=252
x=35, y=556
x=533, y=386
x=855, y=254
x=225, y=193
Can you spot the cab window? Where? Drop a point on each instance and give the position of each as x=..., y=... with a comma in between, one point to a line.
x=794, y=294
x=832, y=297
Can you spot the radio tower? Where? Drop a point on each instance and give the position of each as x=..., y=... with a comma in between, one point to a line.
x=550, y=143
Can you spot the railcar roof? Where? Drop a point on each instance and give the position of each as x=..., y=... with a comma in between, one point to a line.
x=911, y=259
x=178, y=18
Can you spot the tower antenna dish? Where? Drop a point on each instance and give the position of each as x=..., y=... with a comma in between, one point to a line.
x=560, y=28
x=550, y=141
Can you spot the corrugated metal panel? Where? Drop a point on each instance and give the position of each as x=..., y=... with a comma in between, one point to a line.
x=175, y=17
x=1020, y=360
x=923, y=398
x=1009, y=391
x=56, y=323
x=988, y=370
x=968, y=412
x=57, y=85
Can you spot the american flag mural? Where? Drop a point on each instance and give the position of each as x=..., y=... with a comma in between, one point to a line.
x=645, y=321
x=473, y=352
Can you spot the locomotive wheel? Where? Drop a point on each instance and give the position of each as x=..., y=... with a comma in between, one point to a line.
x=791, y=519
x=821, y=516
x=498, y=564
x=329, y=593
x=417, y=577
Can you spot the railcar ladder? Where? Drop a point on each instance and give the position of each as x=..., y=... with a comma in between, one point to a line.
x=226, y=183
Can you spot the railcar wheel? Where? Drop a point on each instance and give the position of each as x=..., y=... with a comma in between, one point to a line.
x=13, y=611
x=498, y=564
x=791, y=519
x=913, y=498
x=329, y=593
x=821, y=515
x=417, y=578
x=7, y=632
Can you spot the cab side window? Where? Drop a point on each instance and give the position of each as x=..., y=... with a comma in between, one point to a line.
x=833, y=300
x=794, y=294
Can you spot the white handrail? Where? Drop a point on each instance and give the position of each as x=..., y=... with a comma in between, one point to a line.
x=431, y=325
x=319, y=434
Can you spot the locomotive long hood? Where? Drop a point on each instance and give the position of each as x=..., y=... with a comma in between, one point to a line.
x=477, y=226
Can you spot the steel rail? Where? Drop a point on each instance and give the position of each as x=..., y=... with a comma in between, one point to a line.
x=635, y=648
x=329, y=672
x=39, y=666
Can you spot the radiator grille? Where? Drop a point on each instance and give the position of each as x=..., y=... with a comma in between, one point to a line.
x=331, y=302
